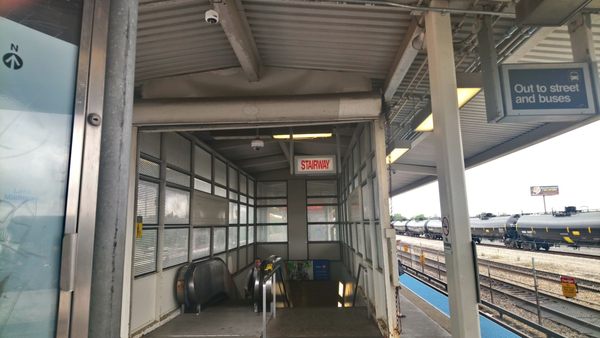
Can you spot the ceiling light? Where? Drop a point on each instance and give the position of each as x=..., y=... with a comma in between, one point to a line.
x=465, y=95
x=302, y=136
x=396, y=149
x=426, y=125
x=424, y=121
x=395, y=155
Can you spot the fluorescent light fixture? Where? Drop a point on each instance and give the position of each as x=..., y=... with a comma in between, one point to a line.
x=464, y=95
x=396, y=149
x=426, y=125
x=395, y=155
x=302, y=136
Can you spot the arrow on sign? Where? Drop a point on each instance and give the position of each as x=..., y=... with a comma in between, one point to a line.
x=12, y=61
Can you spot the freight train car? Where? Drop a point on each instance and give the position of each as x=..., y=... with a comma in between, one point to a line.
x=539, y=231
x=529, y=232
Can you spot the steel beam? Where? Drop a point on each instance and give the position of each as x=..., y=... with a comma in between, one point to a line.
x=286, y=152
x=404, y=59
x=534, y=40
x=262, y=161
x=489, y=66
x=288, y=109
x=388, y=235
x=415, y=169
x=582, y=39
x=464, y=315
x=236, y=27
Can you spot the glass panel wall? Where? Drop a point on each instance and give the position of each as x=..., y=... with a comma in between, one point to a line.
x=271, y=211
x=189, y=168
x=359, y=201
x=322, y=210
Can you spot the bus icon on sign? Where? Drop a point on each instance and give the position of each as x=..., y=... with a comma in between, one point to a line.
x=574, y=76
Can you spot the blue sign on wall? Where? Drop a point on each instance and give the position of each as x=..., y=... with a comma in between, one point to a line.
x=558, y=91
x=321, y=269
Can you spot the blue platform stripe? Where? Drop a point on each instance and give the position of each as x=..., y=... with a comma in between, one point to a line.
x=489, y=329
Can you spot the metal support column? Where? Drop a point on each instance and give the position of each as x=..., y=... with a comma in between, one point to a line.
x=112, y=217
x=582, y=41
x=388, y=243
x=464, y=318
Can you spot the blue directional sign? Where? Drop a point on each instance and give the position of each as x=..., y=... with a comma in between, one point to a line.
x=547, y=92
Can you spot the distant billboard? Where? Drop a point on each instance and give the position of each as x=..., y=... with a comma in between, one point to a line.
x=544, y=190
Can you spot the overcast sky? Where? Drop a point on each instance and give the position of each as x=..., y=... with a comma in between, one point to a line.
x=571, y=161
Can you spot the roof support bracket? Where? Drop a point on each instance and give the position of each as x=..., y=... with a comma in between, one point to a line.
x=489, y=67
x=404, y=59
x=237, y=30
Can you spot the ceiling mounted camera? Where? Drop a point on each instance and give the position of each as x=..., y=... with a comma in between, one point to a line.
x=257, y=144
x=211, y=16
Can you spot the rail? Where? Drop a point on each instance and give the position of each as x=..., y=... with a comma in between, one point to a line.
x=362, y=268
x=271, y=277
x=575, y=320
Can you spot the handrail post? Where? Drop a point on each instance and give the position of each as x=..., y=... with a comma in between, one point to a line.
x=274, y=292
x=366, y=278
x=264, y=309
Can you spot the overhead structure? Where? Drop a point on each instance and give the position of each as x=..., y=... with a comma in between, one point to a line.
x=237, y=30
x=331, y=62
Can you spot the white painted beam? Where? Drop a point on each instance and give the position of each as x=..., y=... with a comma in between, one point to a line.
x=582, y=38
x=284, y=149
x=415, y=169
x=461, y=278
x=280, y=109
x=236, y=27
x=404, y=58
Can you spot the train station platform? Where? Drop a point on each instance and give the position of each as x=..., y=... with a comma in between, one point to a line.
x=439, y=302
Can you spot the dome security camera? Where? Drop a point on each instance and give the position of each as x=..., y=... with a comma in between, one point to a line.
x=211, y=16
x=257, y=144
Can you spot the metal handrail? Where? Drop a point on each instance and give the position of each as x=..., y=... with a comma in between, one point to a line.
x=272, y=277
x=365, y=289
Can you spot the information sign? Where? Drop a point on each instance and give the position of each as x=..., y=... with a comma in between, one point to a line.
x=320, y=269
x=547, y=92
x=569, y=286
x=311, y=165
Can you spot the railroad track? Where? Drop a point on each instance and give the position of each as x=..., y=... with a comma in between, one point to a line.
x=576, y=316
x=558, y=253
x=582, y=283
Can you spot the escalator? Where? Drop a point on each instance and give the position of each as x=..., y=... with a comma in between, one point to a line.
x=208, y=283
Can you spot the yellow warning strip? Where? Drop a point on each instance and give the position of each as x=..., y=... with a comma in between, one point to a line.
x=575, y=233
x=568, y=239
x=590, y=230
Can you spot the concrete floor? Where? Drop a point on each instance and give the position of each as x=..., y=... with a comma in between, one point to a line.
x=323, y=322
x=417, y=323
x=306, y=322
x=219, y=321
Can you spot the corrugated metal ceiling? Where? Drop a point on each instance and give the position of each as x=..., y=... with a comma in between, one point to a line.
x=479, y=136
x=327, y=36
x=173, y=39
